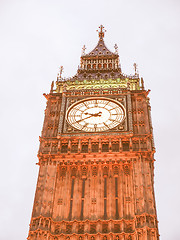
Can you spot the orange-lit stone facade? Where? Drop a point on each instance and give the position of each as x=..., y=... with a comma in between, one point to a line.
x=96, y=185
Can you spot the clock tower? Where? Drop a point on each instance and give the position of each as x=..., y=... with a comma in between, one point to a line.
x=96, y=155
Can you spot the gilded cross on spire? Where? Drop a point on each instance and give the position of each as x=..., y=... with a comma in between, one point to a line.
x=101, y=31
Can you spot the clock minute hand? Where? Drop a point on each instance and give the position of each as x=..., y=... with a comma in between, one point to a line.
x=84, y=118
x=92, y=115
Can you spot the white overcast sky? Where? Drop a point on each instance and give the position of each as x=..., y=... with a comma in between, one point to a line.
x=36, y=37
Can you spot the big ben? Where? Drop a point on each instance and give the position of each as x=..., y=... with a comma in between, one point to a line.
x=96, y=155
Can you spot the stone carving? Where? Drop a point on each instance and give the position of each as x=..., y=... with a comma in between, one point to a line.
x=105, y=171
x=115, y=170
x=68, y=228
x=93, y=228
x=63, y=170
x=105, y=228
x=126, y=169
x=93, y=201
x=73, y=171
x=94, y=170
x=81, y=228
x=60, y=201
x=84, y=171
x=117, y=228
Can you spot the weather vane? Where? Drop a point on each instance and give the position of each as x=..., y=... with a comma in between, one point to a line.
x=101, y=31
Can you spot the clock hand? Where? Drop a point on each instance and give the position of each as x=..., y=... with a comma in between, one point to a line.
x=98, y=114
x=94, y=114
x=88, y=113
x=91, y=115
x=84, y=119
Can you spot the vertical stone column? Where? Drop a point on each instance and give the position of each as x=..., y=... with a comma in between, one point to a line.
x=129, y=112
x=62, y=112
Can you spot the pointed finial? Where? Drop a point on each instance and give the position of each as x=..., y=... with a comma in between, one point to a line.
x=52, y=86
x=116, y=48
x=59, y=76
x=142, y=83
x=128, y=85
x=83, y=50
x=101, y=31
x=135, y=69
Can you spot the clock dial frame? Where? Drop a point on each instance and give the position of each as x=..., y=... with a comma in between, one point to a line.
x=96, y=114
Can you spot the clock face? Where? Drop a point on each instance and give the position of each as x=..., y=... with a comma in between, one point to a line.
x=95, y=114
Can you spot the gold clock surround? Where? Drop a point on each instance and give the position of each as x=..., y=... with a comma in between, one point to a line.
x=96, y=114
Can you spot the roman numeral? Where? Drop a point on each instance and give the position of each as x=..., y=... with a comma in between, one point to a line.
x=106, y=104
x=85, y=105
x=85, y=125
x=105, y=124
x=78, y=109
x=96, y=104
x=114, y=120
x=74, y=115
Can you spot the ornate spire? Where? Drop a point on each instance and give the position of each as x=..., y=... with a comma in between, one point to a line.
x=100, y=61
x=101, y=31
x=100, y=50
